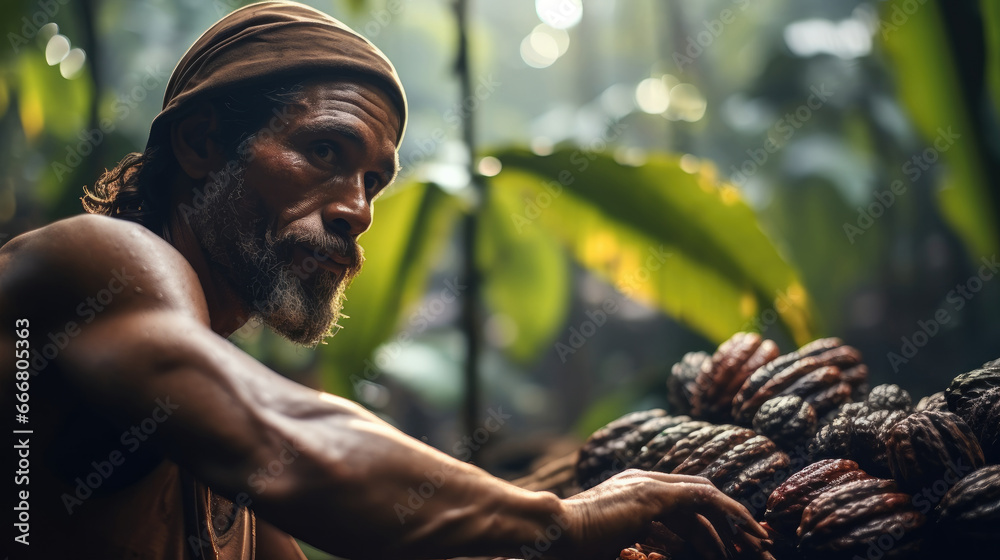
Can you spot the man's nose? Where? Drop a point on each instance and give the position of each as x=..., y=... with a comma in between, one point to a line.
x=349, y=211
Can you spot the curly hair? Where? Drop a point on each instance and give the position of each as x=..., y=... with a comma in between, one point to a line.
x=137, y=188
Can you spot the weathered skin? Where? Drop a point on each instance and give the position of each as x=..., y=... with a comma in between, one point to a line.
x=164, y=337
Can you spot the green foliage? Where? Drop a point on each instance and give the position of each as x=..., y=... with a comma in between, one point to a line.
x=991, y=24
x=411, y=225
x=929, y=89
x=676, y=240
x=526, y=277
x=52, y=110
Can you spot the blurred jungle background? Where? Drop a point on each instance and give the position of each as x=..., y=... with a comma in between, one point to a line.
x=592, y=188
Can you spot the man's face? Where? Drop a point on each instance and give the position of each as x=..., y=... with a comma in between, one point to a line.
x=282, y=228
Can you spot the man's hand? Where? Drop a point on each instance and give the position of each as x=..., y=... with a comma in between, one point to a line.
x=619, y=512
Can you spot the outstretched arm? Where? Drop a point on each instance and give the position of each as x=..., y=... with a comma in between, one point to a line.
x=322, y=468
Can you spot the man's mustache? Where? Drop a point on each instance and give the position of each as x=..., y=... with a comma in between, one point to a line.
x=335, y=246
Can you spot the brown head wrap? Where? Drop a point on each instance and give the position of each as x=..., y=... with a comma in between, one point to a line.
x=272, y=41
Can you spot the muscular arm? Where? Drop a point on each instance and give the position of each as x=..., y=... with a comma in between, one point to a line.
x=317, y=466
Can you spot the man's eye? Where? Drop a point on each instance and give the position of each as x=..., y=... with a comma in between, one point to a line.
x=371, y=181
x=325, y=153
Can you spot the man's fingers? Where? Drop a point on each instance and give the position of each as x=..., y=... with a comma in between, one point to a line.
x=731, y=516
x=750, y=546
x=673, y=478
x=699, y=533
x=741, y=516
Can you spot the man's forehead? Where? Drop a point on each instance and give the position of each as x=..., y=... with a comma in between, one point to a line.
x=347, y=104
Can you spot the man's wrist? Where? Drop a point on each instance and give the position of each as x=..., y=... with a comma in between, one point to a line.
x=541, y=525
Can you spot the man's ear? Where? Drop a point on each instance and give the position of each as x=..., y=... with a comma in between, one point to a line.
x=192, y=139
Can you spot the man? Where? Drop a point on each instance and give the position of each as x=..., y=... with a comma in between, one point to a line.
x=152, y=437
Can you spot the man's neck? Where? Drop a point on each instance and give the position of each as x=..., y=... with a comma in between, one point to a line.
x=226, y=310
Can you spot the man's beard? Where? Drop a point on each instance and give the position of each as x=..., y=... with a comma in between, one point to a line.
x=301, y=302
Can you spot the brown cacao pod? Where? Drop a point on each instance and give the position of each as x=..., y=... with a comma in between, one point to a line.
x=889, y=397
x=749, y=472
x=937, y=401
x=975, y=396
x=788, y=421
x=631, y=443
x=861, y=518
x=968, y=517
x=601, y=457
x=832, y=441
x=688, y=445
x=681, y=384
x=732, y=363
x=663, y=442
x=751, y=479
x=983, y=417
x=930, y=446
x=970, y=385
x=859, y=434
x=711, y=450
x=868, y=440
x=786, y=504
x=814, y=372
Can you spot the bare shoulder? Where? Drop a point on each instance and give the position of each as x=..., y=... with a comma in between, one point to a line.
x=53, y=269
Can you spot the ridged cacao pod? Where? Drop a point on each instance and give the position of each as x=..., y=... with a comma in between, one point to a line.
x=889, y=397
x=975, y=396
x=786, y=504
x=788, y=421
x=688, y=445
x=968, y=386
x=632, y=442
x=859, y=434
x=930, y=446
x=663, y=442
x=601, y=456
x=867, y=518
x=968, y=517
x=815, y=372
x=708, y=452
x=749, y=476
x=731, y=365
x=937, y=401
x=983, y=417
x=682, y=381
x=748, y=472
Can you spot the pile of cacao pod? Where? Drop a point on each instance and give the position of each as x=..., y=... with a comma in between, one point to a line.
x=832, y=468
